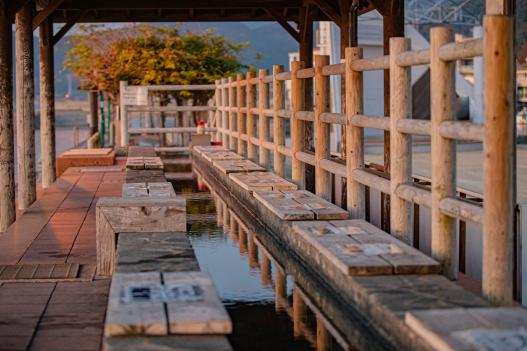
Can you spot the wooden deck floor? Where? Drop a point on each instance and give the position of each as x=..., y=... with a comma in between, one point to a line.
x=58, y=228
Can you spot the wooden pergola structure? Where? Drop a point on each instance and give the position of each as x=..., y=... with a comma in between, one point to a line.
x=29, y=15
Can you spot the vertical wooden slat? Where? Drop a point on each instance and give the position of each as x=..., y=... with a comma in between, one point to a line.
x=225, y=114
x=25, y=107
x=7, y=155
x=401, y=222
x=232, y=114
x=250, y=91
x=278, y=122
x=47, y=103
x=354, y=136
x=498, y=147
x=217, y=103
x=442, y=87
x=263, y=122
x=93, y=114
x=322, y=147
x=123, y=111
x=297, y=126
x=239, y=105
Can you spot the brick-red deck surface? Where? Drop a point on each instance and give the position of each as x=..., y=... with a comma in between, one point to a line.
x=58, y=228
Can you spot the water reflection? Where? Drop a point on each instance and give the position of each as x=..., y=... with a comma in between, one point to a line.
x=271, y=307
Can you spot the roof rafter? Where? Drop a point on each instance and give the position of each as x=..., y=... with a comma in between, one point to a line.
x=46, y=12
x=283, y=22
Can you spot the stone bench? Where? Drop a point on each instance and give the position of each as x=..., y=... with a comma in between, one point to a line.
x=154, y=189
x=116, y=216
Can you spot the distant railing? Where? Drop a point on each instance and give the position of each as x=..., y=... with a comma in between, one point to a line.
x=134, y=99
x=239, y=101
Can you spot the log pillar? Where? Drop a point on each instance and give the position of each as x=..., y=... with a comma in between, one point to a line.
x=7, y=156
x=498, y=165
x=94, y=108
x=393, y=26
x=322, y=131
x=25, y=107
x=306, y=56
x=47, y=103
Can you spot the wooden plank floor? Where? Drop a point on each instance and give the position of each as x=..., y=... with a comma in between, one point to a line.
x=58, y=228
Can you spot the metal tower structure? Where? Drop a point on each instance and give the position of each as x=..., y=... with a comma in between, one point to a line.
x=454, y=12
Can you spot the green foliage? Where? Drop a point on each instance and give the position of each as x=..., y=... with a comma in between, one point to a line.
x=148, y=55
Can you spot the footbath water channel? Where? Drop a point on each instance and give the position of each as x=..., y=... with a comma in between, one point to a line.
x=274, y=301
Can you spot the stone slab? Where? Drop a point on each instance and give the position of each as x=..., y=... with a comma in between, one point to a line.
x=195, y=307
x=134, y=307
x=141, y=162
x=131, y=215
x=153, y=190
x=357, y=247
x=231, y=166
x=83, y=160
x=87, y=152
x=296, y=204
x=145, y=176
x=261, y=181
x=498, y=328
x=155, y=252
x=218, y=155
x=201, y=148
x=144, y=151
x=168, y=343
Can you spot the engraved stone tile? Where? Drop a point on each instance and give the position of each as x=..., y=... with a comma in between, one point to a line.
x=261, y=181
x=193, y=305
x=230, y=166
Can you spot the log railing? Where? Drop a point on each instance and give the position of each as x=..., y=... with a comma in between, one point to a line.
x=248, y=97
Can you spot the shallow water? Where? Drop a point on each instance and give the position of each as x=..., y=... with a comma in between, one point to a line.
x=269, y=310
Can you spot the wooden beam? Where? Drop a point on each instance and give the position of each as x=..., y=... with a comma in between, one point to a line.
x=64, y=30
x=46, y=12
x=283, y=22
x=328, y=10
x=15, y=6
x=380, y=6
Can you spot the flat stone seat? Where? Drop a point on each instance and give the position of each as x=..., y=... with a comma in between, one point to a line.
x=261, y=181
x=357, y=247
x=498, y=328
x=299, y=205
x=130, y=215
x=231, y=166
x=155, y=252
x=208, y=148
x=217, y=155
x=145, y=175
x=141, y=162
x=168, y=343
x=84, y=158
x=144, y=151
x=154, y=190
x=153, y=303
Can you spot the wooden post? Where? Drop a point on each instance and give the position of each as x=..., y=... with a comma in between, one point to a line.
x=305, y=27
x=252, y=252
x=393, y=26
x=354, y=136
x=225, y=114
x=47, y=104
x=280, y=288
x=265, y=271
x=250, y=101
x=442, y=87
x=263, y=123
x=401, y=214
x=323, y=336
x=7, y=156
x=123, y=111
x=239, y=105
x=25, y=107
x=232, y=114
x=94, y=108
x=322, y=137
x=278, y=122
x=498, y=147
x=299, y=312
x=297, y=125
x=217, y=112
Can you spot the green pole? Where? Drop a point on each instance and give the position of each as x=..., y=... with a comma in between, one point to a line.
x=102, y=130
